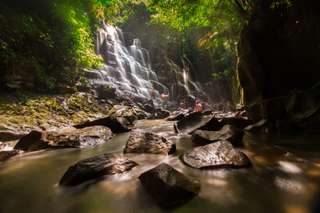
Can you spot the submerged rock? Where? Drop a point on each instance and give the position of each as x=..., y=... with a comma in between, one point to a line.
x=195, y=121
x=119, y=120
x=66, y=138
x=96, y=167
x=150, y=143
x=5, y=155
x=168, y=187
x=227, y=133
x=217, y=155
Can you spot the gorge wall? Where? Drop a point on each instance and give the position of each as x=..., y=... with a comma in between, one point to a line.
x=279, y=60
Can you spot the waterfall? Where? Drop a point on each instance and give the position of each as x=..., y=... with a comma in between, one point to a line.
x=127, y=69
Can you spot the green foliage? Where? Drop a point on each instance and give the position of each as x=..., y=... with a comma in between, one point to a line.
x=74, y=14
x=219, y=17
x=118, y=12
x=280, y=3
x=220, y=75
x=44, y=44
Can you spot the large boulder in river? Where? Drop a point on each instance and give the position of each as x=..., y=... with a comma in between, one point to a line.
x=227, y=133
x=117, y=125
x=96, y=167
x=32, y=142
x=120, y=119
x=65, y=138
x=149, y=143
x=217, y=155
x=195, y=121
x=168, y=187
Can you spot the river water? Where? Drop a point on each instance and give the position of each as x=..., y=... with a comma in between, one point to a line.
x=283, y=179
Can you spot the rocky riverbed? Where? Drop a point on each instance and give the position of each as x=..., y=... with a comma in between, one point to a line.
x=185, y=160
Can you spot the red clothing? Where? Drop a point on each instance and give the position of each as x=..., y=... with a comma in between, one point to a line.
x=198, y=107
x=164, y=97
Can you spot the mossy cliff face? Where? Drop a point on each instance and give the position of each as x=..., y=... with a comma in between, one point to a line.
x=279, y=55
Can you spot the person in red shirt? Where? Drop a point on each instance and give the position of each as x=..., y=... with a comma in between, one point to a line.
x=198, y=106
x=164, y=97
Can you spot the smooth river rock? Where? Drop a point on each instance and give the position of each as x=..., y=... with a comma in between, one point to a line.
x=117, y=125
x=217, y=155
x=96, y=167
x=65, y=138
x=195, y=121
x=5, y=155
x=120, y=119
x=168, y=187
x=8, y=135
x=227, y=133
x=149, y=143
x=178, y=115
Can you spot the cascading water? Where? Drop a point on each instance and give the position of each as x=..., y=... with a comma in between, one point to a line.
x=128, y=70
x=182, y=85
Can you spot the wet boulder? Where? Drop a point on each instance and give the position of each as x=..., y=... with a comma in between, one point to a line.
x=149, y=108
x=227, y=133
x=216, y=155
x=195, y=121
x=117, y=125
x=176, y=117
x=149, y=143
x=131, y=113
x=65, y=138
x=8, y=135
x=96, y=167
x=6, y=151
x=168, y=187
x=161, y=114
x=32, y=142
x=120, y=119
x=6, y=154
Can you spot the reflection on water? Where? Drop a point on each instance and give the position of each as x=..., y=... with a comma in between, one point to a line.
x=278, y=182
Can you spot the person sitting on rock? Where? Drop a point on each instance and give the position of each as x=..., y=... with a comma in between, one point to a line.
x=164, y=97
x=198, y=106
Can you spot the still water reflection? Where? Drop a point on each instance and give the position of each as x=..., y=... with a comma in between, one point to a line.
x=278, y=182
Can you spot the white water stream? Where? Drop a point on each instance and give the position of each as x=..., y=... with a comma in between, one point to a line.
x=127, y=69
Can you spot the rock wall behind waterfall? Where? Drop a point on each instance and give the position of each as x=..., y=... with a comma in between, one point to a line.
x=168, y=52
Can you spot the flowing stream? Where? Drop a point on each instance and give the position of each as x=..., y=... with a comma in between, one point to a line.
x=279, y=181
